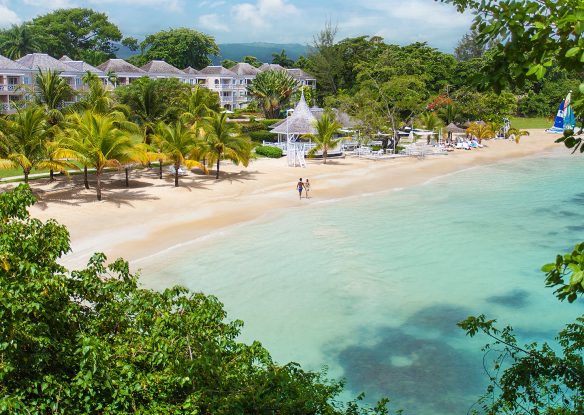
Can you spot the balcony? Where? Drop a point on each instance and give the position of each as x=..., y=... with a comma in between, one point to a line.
x=11, y=89
x=221, y=87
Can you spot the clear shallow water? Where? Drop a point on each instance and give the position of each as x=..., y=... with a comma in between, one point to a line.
x=373, y=287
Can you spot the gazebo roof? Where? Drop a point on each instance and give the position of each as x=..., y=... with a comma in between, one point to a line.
x=453, y=128
x=302, y=121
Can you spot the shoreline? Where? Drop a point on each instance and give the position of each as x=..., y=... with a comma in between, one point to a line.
x=152, y=217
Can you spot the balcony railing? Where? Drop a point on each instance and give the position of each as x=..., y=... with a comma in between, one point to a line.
x=10, y=88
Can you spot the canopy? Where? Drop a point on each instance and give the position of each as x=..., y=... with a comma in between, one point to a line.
x=301, y=122
x=455, y=129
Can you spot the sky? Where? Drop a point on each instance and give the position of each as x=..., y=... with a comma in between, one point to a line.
x=276, y=21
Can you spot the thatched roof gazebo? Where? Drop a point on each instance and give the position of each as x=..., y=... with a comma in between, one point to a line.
x=455, y=129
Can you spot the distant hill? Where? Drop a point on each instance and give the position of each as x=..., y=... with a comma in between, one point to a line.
x=236, y=51
x=262, y=51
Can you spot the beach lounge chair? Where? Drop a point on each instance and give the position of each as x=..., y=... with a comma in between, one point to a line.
x=181, y=171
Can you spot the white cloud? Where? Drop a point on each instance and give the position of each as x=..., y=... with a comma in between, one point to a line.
x=7, y=16
x=172, y=5
x=263, y=13
x=50, y=4
x=213, y=22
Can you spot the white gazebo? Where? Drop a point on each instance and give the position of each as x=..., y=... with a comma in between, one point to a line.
x=300, y=123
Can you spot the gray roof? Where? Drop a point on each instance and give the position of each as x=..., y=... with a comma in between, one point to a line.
x=216, y=70
x=299, y=74
x=9, y=64
x=44, y=62
x=191, y=71
x=300, y=122
x=245, y=69
x=81, y=66
x=120, y=66
x=161, y=67
x=453, y=128
x=271, y=67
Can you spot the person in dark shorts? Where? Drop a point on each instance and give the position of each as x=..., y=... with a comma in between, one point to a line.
x=306, y=188
x=299, y=187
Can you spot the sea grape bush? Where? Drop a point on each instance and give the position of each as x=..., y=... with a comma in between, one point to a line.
x=91, y=341
x=268, y=151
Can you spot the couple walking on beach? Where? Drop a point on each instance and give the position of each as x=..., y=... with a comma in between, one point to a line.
x=300, y=186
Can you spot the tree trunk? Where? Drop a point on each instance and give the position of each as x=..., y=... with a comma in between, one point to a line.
x=324, y=154
x=160, y=169
x=218, y=161
x=176, y=167
x=98, y=185
x=127, y=177
x=25, y=171
x=51, y=175
x=85, y=179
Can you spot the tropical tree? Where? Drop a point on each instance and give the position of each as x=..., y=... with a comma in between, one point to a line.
x=197, y=103
x=18, y=41
x=431, y=122
x=481, y=131
x=516, y=133
x=99, y=141
x=282, y=59
x=225, y=141
x=179, y=144
x=271, y=90
x=97, y=98
x=24, y=142
x=52, y=91
x=326, y=129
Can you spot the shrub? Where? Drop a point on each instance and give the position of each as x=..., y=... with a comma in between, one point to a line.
x=269, y=151
x=267, y=123
x=262, y=135
x=248, y=127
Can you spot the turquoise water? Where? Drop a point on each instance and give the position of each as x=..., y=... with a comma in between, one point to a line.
x=372, y=287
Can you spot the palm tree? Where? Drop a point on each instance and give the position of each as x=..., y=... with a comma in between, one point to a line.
x=180, y=144
x=225, y=141
x=197, y=103
x=326, y=129
x=271, y=89
x=99, y=141
x=516, y=133
x=23, y=142
x=98, y=99
x=430, y=121
x=481, y=131
x=19, y=41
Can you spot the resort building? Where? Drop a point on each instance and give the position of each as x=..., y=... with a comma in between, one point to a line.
x=13, y=78
x=222, y=81
x=230, y=84
x=125, y=72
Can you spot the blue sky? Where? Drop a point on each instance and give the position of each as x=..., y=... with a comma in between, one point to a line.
x=278, y=21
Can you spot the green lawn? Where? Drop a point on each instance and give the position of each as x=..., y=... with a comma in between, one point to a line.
x=527, y=123
x=18, y=171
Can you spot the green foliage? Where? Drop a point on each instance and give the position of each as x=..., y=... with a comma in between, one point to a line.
x=269, y=151
x=566, y=274
x=272, y=89
x=325, y=137
x=72, y=31
x=91, y=341
x=228, y=63
x=18, y=41
x=252, y=60
x=469, y=47
x=282, y=59
x=180, y=47
x=261, y=136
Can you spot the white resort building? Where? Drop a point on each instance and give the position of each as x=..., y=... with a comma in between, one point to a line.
x=230, y=84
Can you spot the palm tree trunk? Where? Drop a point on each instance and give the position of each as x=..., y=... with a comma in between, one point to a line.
x=324, y=154
x=85, y=180
x=98, y=185
x=127, y=177
x=51, y=175
x=218, y=161
x=176, y=167
x=25, y=171
x=160, y=169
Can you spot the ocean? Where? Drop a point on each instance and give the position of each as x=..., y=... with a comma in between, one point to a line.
x=372, y=287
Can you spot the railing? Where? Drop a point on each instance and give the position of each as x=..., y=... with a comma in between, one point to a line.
x=10, y=88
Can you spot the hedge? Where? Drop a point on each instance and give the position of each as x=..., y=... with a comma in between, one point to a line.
x=269, y=151
x=261, y=135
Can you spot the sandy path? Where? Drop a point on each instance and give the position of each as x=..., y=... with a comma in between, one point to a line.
x=153, y=215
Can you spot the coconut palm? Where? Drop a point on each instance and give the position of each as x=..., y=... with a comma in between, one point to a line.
x=179, y=144
x=99, y=141
x=271, y=90
x=24, y=142
x=19, y=41
x=52, y=91
x=225, y=141
x=326, y=128
x=431, y=122
x=481, y=131
x=197, y=103
x=98, y=99
x=516, y=133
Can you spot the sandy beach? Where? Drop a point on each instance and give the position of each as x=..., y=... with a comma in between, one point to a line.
x=152, y=215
